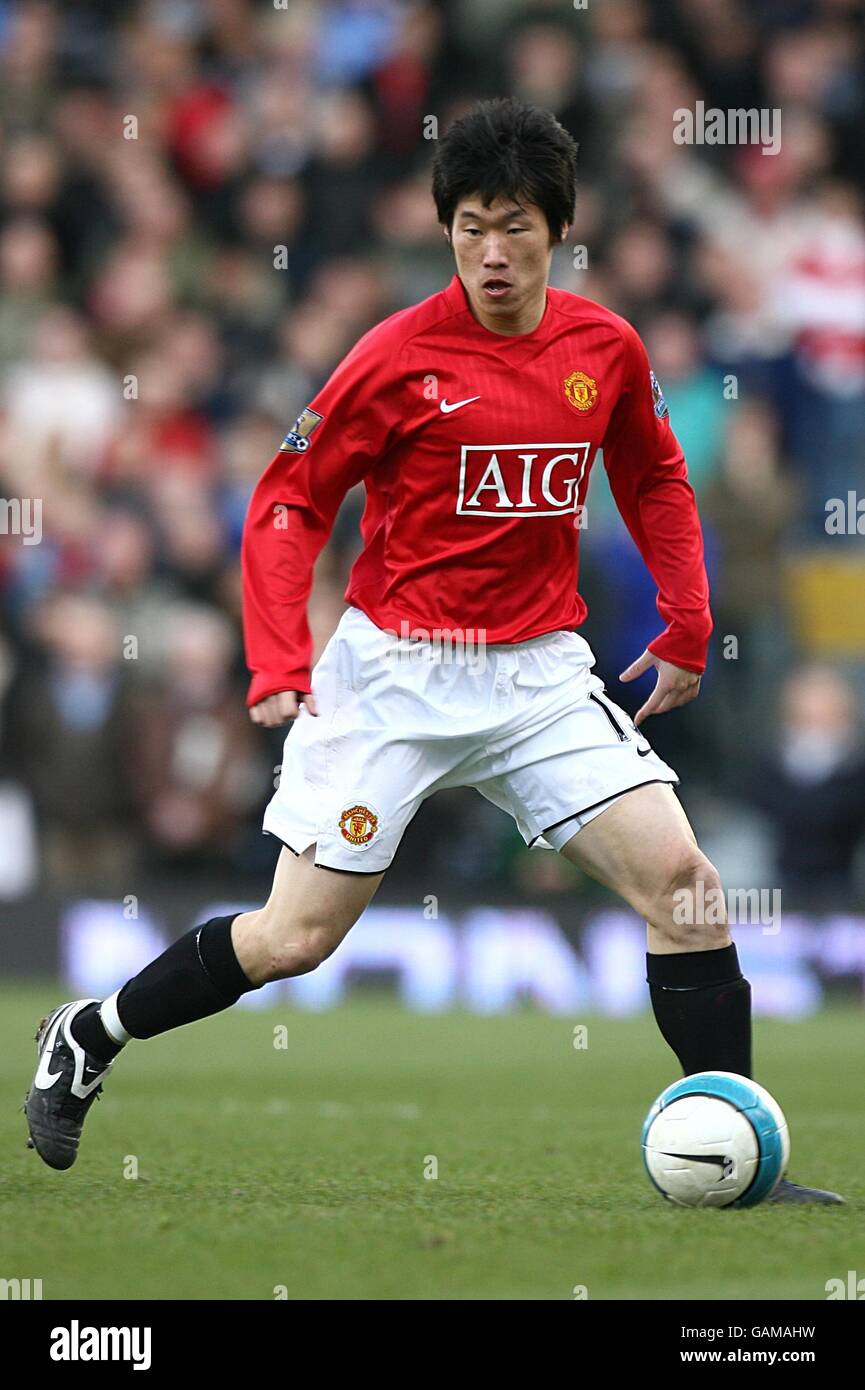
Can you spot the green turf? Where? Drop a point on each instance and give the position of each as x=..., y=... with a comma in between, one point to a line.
x=261, y=1167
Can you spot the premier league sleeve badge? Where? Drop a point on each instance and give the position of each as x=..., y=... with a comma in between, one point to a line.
x=297, y=441
x=662, y=410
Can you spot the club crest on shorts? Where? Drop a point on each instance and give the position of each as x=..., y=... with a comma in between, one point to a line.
x=662, y=410
x=581, y=391
x=358, y=825
x=297, y=441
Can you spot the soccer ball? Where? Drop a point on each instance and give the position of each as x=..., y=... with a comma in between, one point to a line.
x=715, y=1139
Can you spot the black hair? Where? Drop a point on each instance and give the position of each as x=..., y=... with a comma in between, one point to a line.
x=506, y=148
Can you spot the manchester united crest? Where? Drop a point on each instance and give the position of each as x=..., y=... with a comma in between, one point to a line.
x=358, y=825
x=581, y=391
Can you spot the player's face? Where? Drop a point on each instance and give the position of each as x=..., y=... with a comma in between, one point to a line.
x=503, y=255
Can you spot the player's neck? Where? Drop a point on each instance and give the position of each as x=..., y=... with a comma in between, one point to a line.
x=524, y=319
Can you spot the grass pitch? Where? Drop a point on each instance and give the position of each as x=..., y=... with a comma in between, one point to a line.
x=300, y=1171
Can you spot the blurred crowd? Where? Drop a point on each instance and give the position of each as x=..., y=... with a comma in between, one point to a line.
x=204, y=203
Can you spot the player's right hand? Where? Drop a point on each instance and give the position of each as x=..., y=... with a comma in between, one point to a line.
x=281, y=708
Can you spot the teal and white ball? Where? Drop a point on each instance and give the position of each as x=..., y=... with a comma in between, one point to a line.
x=715, y=1139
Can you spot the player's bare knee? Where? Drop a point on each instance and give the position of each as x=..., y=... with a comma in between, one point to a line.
x=690, y=910
x=299, y=952
x=276, y=943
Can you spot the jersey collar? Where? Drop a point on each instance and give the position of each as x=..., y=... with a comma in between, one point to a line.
x=512, y=345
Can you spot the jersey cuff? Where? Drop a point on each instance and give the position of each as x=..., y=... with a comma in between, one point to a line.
x=690, y=662
x=260, y=688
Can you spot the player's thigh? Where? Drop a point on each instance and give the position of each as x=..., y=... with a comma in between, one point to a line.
x=642, y=847
x=308, y=913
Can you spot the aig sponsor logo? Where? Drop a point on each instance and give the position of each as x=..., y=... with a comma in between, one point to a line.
x=507, y=480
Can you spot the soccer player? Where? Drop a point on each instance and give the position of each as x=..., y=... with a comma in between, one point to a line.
x=473, y=419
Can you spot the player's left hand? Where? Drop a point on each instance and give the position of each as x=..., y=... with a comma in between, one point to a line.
x=674, y=685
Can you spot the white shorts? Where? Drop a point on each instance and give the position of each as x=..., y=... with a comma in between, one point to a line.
x=527, y=724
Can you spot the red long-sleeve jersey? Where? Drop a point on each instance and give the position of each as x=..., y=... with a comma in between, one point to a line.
x=475, y=450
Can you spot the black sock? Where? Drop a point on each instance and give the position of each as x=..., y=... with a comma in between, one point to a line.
x=702, y=1005
x=88, y=1029
x=197, y=976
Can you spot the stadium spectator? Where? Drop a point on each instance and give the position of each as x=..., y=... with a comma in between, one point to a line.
x=70, y=733
x=198, y=767
x=811, y=786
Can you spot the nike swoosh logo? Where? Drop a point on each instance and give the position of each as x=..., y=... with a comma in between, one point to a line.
x=643, y=752
x=81, y=1086
x=720, y=1160
x=446, y=409
x=45, y=1078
